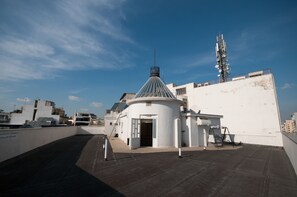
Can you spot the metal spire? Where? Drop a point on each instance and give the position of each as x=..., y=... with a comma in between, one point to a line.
x=155, y=70
x=155, y=57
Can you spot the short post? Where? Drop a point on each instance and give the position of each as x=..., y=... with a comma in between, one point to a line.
x=179, y=153
x=105, y=150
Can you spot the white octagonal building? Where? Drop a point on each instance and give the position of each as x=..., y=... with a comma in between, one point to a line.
x=155, y=118
x=155, y=114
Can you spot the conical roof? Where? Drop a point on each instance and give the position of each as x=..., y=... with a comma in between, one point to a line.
x=154, y=87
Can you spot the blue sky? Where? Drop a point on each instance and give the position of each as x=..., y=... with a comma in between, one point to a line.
x=84, y=54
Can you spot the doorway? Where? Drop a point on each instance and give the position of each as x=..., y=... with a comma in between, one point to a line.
x=146, y=132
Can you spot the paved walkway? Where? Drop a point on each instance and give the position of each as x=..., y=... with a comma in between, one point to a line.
x=75, y=167
x=118, y=146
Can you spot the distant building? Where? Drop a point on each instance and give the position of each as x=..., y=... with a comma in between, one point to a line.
x=84, y=118
x=110, y=118
x=4, y=117
x=290, y=126
x=34, y=111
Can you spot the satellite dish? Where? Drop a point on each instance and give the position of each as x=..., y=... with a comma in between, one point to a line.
x=216, y=66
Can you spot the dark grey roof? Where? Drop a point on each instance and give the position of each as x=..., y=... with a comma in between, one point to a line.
x=119, y=107
x=251, y=170
x=155, y=87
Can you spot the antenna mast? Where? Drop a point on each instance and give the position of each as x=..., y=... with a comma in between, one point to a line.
x=222, y=62
x=155, y=70
x=154, y=56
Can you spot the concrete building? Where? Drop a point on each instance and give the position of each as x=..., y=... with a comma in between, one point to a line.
x=248, y=104
x=154, y=118
x=84, y=118
x=111, y=116
x=290, y=126
x=4, y=117
x=31, y=112
x=190, y=114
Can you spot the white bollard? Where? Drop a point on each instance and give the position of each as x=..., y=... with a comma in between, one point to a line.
x=105, y=150
x=179, y=153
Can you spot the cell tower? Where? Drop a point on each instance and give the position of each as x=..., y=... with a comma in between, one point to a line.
x=222, y=62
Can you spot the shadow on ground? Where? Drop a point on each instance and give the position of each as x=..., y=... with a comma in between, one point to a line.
x=50, y=171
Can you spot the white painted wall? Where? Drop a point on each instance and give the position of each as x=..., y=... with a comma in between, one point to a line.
x=290, y=146
x=166, y=111
x=124, y=127
x=249, y=107
x=90, y=130
x=20, y=118
x=44, y=111
x=109, y=122
x=28, y=110
x=194, y=134
x=14, y=142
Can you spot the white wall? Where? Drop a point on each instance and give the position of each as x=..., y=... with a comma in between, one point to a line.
x=28, y=110
x=20, y=118
x=109, y=122
x=290, y=146
x=165, y=112
x=124, y=127
x=14, y=142
x=92, y=130
x=249, y=107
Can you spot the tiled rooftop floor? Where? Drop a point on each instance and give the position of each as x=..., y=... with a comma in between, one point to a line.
x=75, y=166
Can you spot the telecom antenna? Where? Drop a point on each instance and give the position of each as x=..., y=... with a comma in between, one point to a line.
x=222, y=62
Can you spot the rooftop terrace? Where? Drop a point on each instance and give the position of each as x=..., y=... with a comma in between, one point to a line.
x=75, y=166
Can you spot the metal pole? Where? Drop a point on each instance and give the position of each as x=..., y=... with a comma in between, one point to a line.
x=179, y=153
x=105, y=150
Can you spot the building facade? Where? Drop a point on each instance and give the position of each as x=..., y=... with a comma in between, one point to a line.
x=290, y=126
x=155, y=118
x=31, y=112
x=248, y=104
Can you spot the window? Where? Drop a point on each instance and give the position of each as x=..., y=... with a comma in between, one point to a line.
x=110, y=123
x=148, y=103
x=181, y=91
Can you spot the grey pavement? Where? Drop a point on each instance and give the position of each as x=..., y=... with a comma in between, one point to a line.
x=75, y=166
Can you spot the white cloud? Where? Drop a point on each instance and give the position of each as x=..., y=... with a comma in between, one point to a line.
x=65, y=35
x=96, y=105
x=74, y=98
x=287, y=86
x=26, y=99
x=25, y=48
